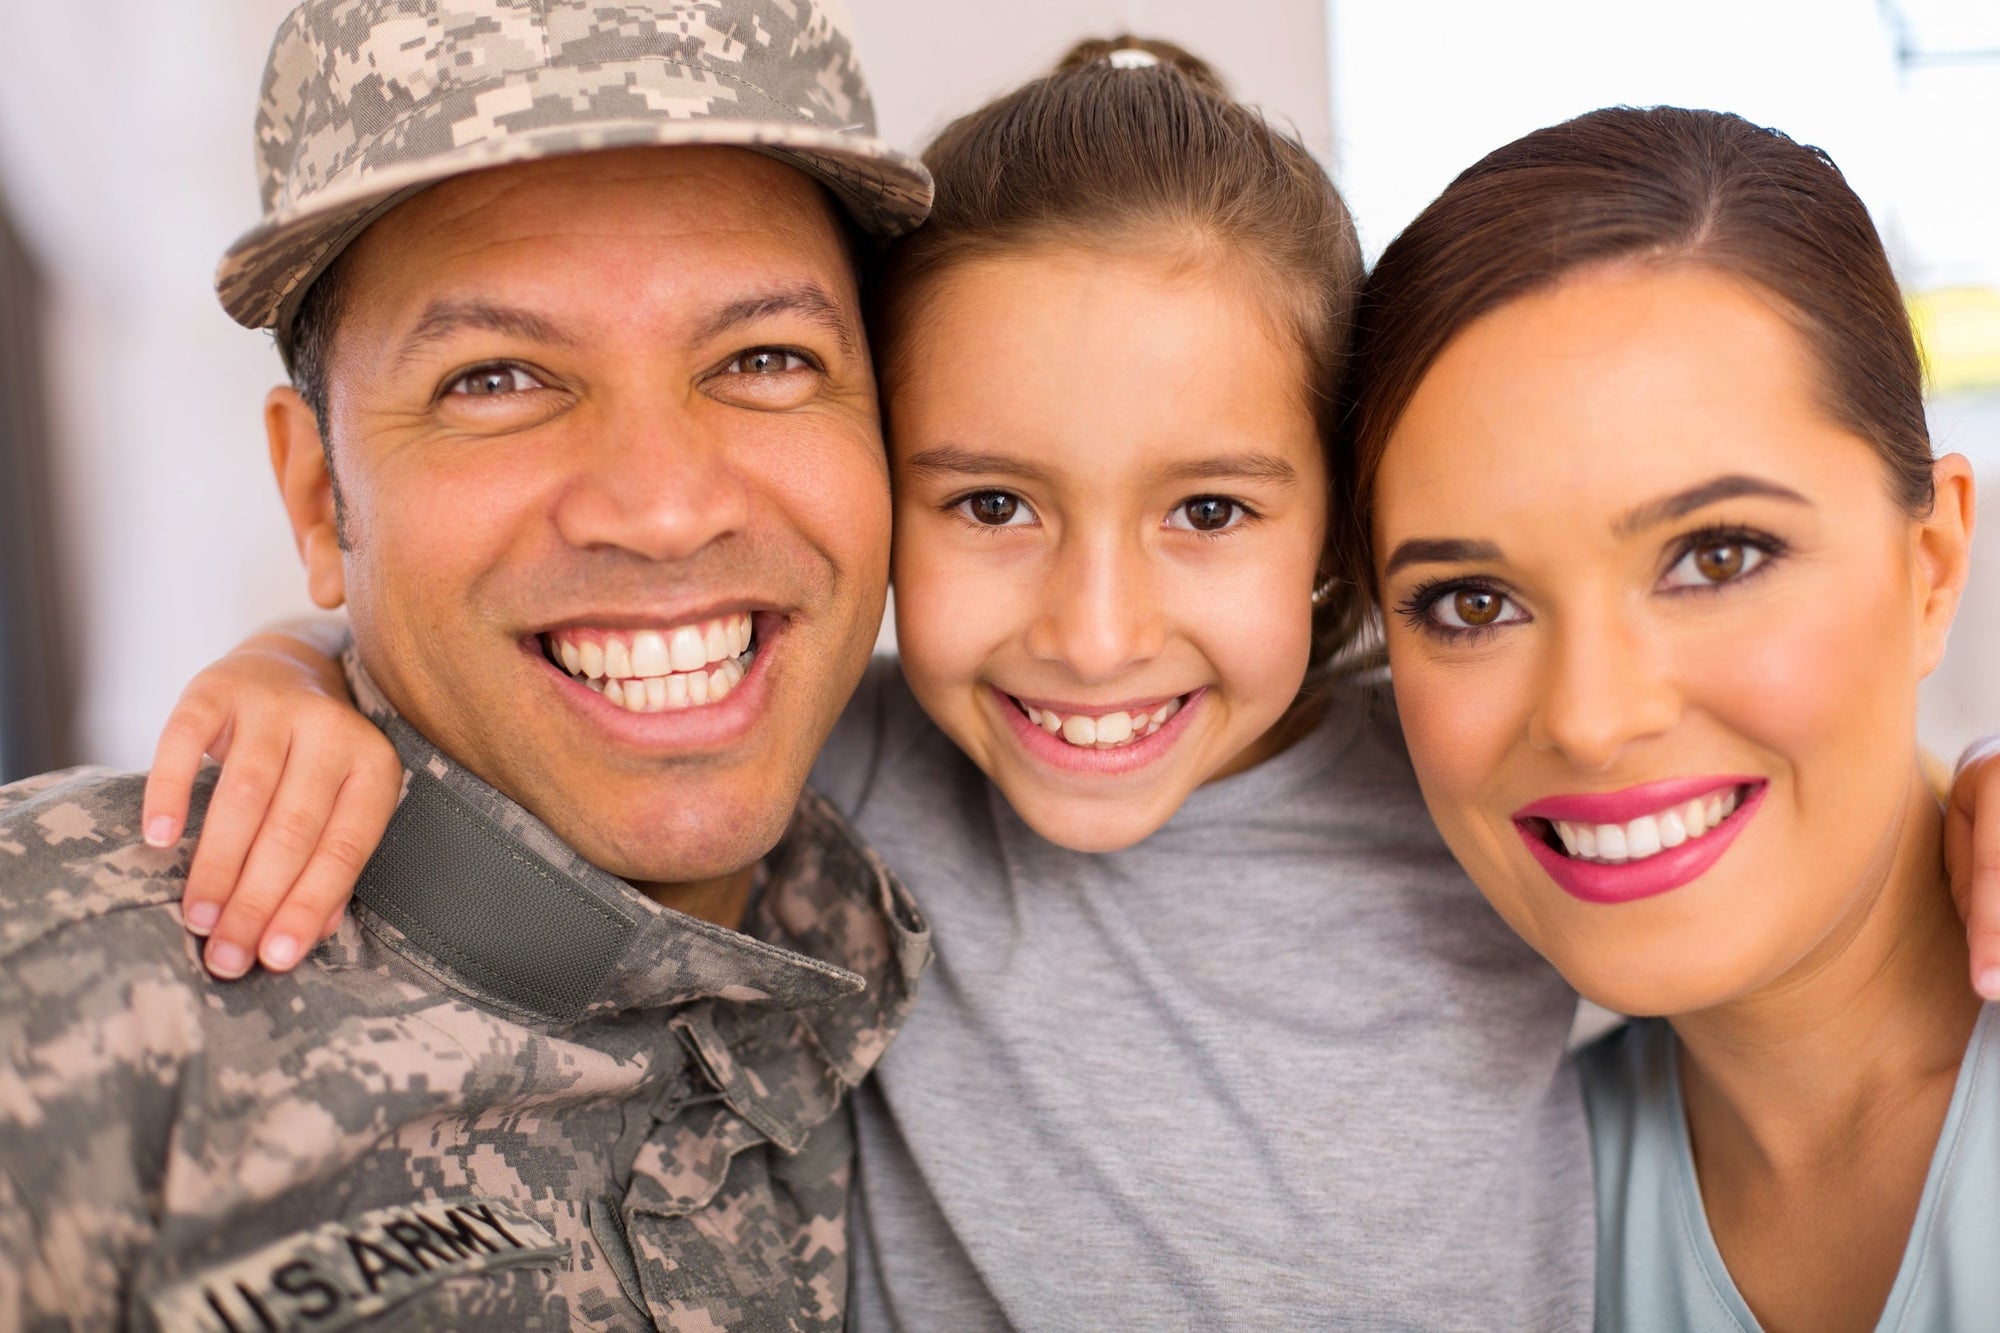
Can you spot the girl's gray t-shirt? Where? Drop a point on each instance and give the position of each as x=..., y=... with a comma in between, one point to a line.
x=1278, y=1066
x=1659, y=1268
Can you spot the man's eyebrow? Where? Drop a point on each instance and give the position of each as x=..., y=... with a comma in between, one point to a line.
x=1681, y=503
x=1233, y=467
x=442, y=318
x=1440, y=551
x=806, y=299
x=948, y=460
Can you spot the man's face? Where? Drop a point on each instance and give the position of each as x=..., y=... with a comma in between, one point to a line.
x=598, y=421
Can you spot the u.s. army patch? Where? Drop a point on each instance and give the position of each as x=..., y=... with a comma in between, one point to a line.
x=341, y=1272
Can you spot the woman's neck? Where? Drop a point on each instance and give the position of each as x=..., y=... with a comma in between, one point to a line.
x=1814, y=1103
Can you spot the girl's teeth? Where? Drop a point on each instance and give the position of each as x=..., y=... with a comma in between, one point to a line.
x=1105, y=731
x=1648, y=835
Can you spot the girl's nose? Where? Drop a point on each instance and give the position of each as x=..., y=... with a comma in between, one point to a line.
x=1100, y=614
x=1603, y=688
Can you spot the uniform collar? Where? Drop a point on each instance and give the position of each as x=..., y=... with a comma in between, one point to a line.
x=486, y=897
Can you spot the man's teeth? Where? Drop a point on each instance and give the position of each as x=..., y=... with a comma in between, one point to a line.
x=1105, y=731
x=1648, y=835
x=656, y=670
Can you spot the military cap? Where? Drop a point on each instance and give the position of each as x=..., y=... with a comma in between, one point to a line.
x=365, y=102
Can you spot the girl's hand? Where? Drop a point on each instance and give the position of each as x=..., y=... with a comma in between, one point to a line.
x=1972, y=856
x=307, y=788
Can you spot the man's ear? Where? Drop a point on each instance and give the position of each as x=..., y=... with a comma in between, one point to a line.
x=1944, y=554
x=299, y=460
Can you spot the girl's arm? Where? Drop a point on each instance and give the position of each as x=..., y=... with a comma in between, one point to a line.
x=307, y=788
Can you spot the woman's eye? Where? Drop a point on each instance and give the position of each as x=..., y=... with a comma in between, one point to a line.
x=1205, y=513
x=996, y=509
x=1711, y=563
x=1474, y=608
x=492, y=381
x=769, y=361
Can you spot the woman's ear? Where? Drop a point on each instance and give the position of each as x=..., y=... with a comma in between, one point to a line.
x=306, y=486
x=1943, y=555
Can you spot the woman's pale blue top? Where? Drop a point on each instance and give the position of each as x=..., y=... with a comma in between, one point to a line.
x=1657, y=1264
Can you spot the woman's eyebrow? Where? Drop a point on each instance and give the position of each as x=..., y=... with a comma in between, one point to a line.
x=951, y=461
x=1439, y=551
x=1681, y=503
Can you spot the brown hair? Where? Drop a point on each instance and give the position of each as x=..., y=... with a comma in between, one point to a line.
x=1099, y=151
x=1653, y=185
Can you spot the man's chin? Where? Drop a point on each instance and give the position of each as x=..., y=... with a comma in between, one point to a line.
x=704, y=836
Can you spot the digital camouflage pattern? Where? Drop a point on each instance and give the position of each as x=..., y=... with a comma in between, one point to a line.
x=365, y=101
x=395, y=1135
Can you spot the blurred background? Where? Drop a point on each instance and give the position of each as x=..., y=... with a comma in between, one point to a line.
x=140, y=534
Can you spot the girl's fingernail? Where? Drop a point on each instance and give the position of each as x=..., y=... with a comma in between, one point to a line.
x=201, y=917
x=1988, y=984
x=227, y=960
x=280, y=952
x=160, y=831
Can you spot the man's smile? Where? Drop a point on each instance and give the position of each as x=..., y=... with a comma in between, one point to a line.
x=659, y=669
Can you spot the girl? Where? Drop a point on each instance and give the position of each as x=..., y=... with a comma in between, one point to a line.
x=1639, y=458
x=1217, y=1036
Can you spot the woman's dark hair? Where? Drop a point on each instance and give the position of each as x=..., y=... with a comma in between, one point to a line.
x=1111, y=150
x=1659, y=185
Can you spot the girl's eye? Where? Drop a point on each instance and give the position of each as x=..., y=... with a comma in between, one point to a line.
x=769, y=361
x=1710, y=563
x=996, y=509
x=1206, y=513
x=492, y=381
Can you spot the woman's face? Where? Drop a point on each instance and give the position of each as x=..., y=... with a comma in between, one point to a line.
x=1110, y=507
x=1656, y=625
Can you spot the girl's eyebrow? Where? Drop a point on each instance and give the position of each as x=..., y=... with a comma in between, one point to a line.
x=950, y=460
x=1233, y=467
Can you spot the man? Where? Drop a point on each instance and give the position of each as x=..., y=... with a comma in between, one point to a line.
x=580, y=379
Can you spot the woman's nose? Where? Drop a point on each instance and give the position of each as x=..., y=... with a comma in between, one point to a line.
x=1603, y=687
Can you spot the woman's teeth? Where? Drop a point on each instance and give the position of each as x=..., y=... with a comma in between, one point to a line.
x=1105, y=731
x=1648, y=835
x=658, y=670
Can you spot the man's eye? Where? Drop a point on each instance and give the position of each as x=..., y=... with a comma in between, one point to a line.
x=1206, y=513
x=769, y=361
x=996, y=509
x=1712, y=563
x=492, y=381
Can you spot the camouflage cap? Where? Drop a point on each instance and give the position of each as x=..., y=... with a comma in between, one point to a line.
x=366, y=102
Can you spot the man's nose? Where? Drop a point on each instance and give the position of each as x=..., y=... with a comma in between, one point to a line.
x=656, y=479
x=1100, y=614
x=1604, y=687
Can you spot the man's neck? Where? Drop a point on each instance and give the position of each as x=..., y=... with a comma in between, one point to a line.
x=721, y=901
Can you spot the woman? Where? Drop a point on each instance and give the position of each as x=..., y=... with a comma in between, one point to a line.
x=1638, y=454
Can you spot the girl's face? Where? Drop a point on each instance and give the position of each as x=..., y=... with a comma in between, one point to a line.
x=1656, y=625
x=1110, y=510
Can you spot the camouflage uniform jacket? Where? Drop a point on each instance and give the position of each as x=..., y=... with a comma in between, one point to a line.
x=510, y=1093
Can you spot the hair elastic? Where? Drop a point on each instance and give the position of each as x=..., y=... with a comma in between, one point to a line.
x=1131, y=57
